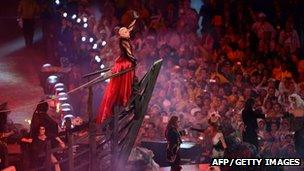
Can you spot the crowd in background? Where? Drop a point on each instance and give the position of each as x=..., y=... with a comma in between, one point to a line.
x=210, y=67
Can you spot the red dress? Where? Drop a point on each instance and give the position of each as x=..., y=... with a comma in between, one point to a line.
x=119, y=90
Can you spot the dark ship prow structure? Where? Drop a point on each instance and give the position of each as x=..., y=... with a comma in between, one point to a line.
x=119, y=132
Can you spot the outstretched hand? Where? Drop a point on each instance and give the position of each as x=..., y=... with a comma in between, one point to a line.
x=135, y=14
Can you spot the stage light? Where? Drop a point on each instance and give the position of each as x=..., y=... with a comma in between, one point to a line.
x=78, y=20
x=187, y=144
x=74, y=16
x=65, y=105
x=108, y=80
x=83, y=38
x=66, y=109
x=63, y=96
x=102, y=66
x=102, y=74
x=46, y=65
x=85, y=19
x=28, y=121
x=59, y=89
x=57, y=2
x=97, y=58
x=59, y=85
x=91, y=39
x=65, y=14
x=52, y=79
x=94, y=46
x=85, y=25
x=103, y=43
x=68, y=116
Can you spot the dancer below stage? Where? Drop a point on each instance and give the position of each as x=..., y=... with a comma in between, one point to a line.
x=119, y=90
x=173, y=136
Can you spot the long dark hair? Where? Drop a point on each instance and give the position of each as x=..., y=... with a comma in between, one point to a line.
x=42, y=107
x=172, y=122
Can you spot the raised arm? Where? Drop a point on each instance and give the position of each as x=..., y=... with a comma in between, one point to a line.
x=135, y=17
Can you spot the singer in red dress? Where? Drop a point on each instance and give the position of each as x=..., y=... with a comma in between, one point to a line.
x=119, y=90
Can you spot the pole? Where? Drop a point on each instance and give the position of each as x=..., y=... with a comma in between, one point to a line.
x=68, y=124
x=92, y=131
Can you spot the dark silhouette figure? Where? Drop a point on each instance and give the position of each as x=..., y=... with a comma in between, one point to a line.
x=250, y=120
x=173, y=136
x=40, y=117
x=27, y=10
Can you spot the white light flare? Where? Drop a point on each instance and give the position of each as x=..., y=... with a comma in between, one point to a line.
x=103, y=43
x=94, y=46
x=97, y=59
x=74, y=16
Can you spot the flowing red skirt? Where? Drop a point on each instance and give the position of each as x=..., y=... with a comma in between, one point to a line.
x=118, y=91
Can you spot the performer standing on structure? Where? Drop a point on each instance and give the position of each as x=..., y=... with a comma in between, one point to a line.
x=119, y=90
x=173, y=136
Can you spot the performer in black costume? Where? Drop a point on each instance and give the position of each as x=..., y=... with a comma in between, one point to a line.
x=173, y=136
x=250, y=120
x=42, y=116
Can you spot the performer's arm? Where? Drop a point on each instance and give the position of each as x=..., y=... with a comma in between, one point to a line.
x=135, y=16
x=131, y=26
x=223, y=141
